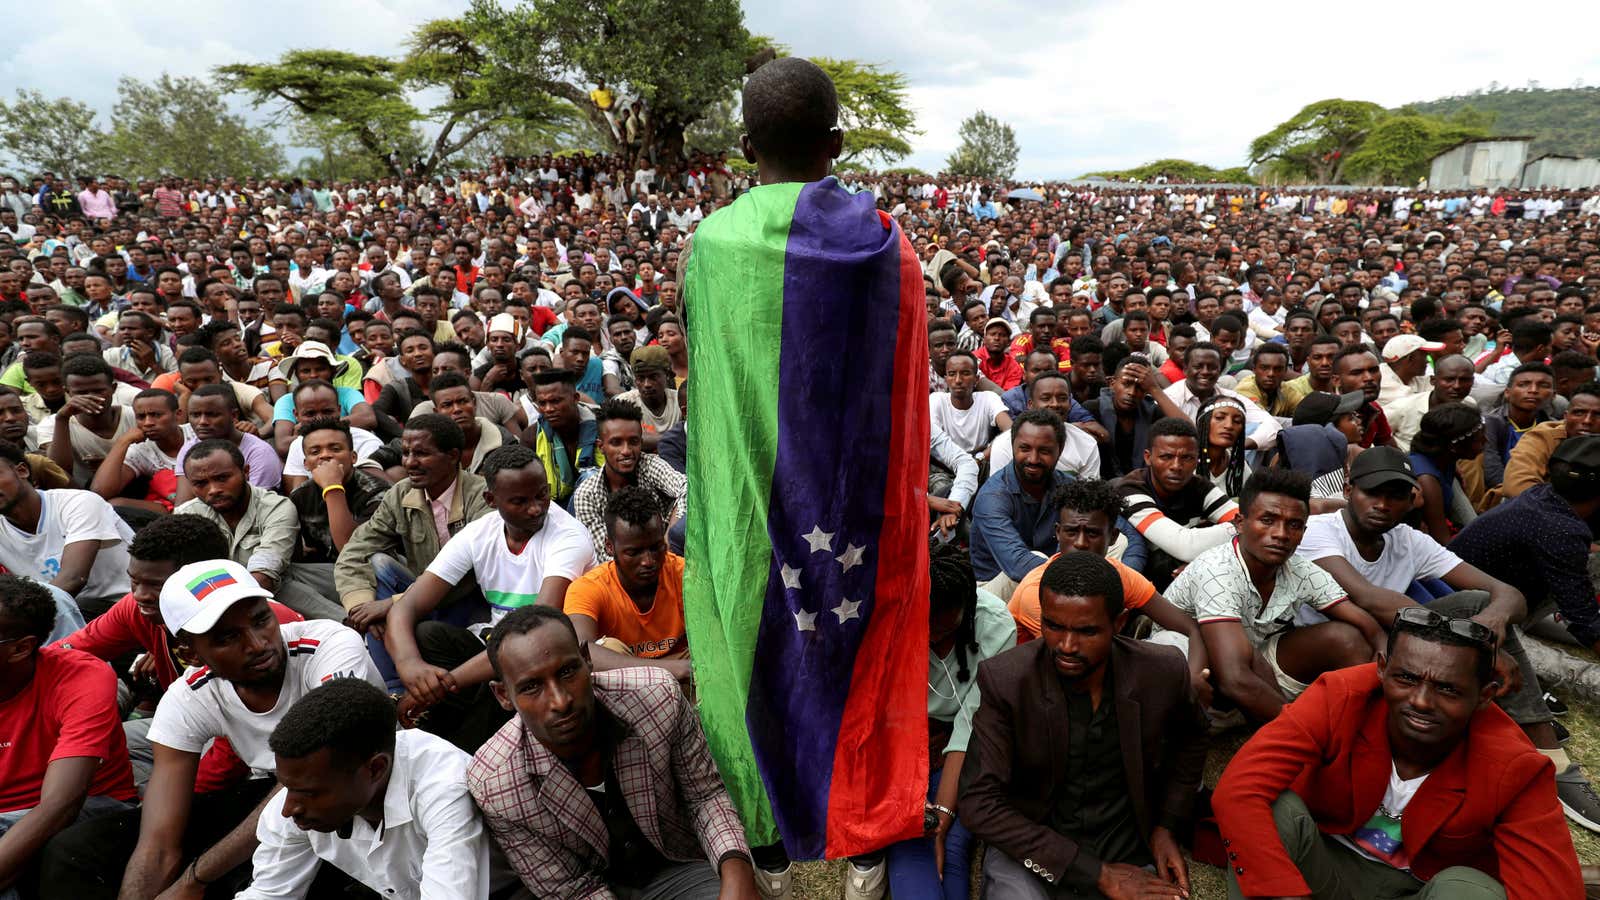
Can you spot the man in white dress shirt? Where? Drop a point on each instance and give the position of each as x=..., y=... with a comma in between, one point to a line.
x=390, y=810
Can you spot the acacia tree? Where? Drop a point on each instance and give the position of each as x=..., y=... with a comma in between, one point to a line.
x=1316, y=142
x=874, y=111
x=48, y=135
x=988, y=149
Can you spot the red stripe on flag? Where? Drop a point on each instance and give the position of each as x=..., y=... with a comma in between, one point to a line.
x=878, y=789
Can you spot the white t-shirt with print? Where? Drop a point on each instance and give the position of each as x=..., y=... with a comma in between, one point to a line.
x=68, y=516
x=562, y=548
x=969, y=428
x=199, y=706
x=1408, y=554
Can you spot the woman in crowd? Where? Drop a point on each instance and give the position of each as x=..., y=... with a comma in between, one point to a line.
x=1220, y=422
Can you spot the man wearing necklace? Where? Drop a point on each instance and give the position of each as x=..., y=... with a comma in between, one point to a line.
x=1465, y=808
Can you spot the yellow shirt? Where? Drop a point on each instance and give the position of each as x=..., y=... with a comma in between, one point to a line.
x=601, y=97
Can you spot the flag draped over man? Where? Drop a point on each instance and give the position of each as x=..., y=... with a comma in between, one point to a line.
x=807, y=573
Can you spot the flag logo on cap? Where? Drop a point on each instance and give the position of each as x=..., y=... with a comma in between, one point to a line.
x=214, y=580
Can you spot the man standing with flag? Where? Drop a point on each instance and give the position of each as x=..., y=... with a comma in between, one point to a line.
x=807, y=555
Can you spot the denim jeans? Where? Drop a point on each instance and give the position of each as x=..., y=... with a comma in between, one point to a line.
x=912, y=869
x=93, y=807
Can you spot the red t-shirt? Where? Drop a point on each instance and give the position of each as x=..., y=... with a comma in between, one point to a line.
x=69, y=709
x=1007, y=372
x=541, y=318
x=123, y=629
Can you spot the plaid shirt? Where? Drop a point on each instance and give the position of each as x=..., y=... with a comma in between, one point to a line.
x=552, y=833
x=589, y=500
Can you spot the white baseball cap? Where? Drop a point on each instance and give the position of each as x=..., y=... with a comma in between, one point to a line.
x=1402, y=346
x=196, y=596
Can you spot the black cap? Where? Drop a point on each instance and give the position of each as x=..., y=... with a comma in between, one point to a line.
x=1320, y=408
x=1379, y=466
x=1581, y=453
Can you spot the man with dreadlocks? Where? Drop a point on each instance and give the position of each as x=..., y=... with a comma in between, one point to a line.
x=965, y=627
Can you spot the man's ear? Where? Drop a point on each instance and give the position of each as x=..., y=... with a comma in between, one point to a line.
x=835, y=142
x=1120, y=622
x=748, y=149
x=500, y=695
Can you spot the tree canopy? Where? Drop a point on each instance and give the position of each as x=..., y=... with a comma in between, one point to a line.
x=1179, y=170
x=988, y=148
x=166, y=126
x=1337, y=141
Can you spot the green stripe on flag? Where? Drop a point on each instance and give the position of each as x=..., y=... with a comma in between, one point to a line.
x=733, y=293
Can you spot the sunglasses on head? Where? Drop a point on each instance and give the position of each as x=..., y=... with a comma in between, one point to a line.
x=1422, y=619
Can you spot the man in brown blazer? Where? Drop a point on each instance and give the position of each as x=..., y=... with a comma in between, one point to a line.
x=1086, y=751
x=601, y=785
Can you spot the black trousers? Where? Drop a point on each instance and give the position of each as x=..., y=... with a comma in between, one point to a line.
x=86, y=861
x=472, y=716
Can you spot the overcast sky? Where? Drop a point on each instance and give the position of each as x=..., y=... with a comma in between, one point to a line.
x=1092, y=85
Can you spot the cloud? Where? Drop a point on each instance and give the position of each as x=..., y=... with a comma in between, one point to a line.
x=1087, y=84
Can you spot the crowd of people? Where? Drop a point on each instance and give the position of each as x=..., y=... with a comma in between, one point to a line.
x=356, y=539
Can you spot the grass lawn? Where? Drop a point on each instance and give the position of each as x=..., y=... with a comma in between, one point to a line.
x=824, y=880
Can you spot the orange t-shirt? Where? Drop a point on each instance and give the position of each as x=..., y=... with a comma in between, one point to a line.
x=1136, y=592
x=656, y=634
x=166, y=381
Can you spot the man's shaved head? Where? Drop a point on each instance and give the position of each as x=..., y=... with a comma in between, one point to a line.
x=790, y=108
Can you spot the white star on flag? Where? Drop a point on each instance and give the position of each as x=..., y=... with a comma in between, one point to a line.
x=805, y=621
x=846, y=610
x=851, y=557
x=791, y=577
x=820, y=541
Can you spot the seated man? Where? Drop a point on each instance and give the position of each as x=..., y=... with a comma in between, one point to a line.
x=969, y=416
x=1073, y=806
x=1127, y=406
x=416, y=517
x=1034, y=364
x=564, y=436
x=214, y=415
x=526, y=551
x=1178, y=512
x=1080, y=455
x=16, y=427
x=319, y=400
x=667, y=830
x=1529, y=462
x=71, y=539
x=1400, y=779
x=1355, y=368
x=89, y=422
x=452, y=396
x=1527, y=397
x=313, y=361
x=1013, y=524
x=1265, y=384
x=629, y=610
x=251, y=671
x=338, y=497
x=1379, y=561
x=389, y=809
x=149, y=451
x=652, y=372
x=1247, y=593
x=65, y=758
x=1452, y=383
x=1087, y=513
x=621, y=437
x=133, y=625
x=263, y=528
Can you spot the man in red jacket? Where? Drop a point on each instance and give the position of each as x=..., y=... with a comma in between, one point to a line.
x=1399, y=779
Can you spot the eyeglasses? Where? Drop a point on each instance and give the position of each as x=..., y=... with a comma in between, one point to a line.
x=1420, y=618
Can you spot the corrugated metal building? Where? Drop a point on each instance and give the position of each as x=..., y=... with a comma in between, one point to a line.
x=1561, y=172
x=1488, y=163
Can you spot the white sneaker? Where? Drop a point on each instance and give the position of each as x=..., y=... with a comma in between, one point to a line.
x=774, y=885
x=865, y=884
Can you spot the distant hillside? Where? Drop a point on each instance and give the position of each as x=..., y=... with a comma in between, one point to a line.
x=1565, y=121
